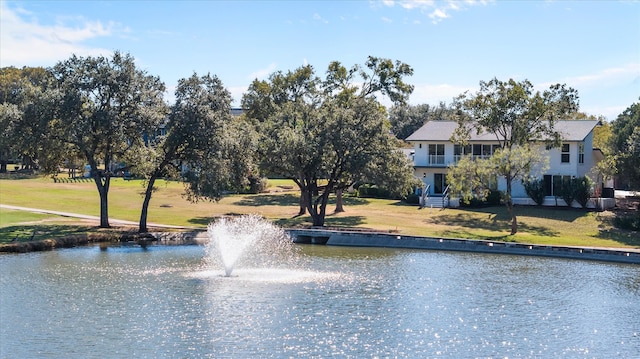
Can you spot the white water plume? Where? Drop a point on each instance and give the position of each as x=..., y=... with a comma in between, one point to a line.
x=248, y=241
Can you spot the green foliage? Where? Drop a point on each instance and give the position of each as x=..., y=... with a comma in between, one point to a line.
x=466, y=179
x=568, y=191
x=412, y=198
x=28, y=101
x=327, y=134
x=214, y=148
x=629, y=222
x=625, y=143
x=516, y=116
x=103, y=109
x=406, y=119
x=373, y=191
x=583, y=187
x=257, y=185
x=534, y=187
x=578, y=189
x=493, y=198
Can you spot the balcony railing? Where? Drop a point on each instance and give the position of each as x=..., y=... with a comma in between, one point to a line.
x=436, y=160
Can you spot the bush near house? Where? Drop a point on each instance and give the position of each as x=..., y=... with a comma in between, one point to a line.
x=372, y=191
x=494, y=198
x=582, y=188
x=535, y=190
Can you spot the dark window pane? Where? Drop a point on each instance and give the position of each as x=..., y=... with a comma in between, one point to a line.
x=548, y=186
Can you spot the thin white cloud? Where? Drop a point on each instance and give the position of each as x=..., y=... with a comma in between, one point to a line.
x=626, y=73
x=386, y=19
x=434, y=94
x=438, y=15
x=25, y=42
x=436, y=10
x=262, y=73
x=318, y=17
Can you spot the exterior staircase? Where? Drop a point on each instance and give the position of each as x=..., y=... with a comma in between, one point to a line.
x=435, y=202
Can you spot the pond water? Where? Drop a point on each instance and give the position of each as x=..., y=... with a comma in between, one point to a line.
x=170, y=302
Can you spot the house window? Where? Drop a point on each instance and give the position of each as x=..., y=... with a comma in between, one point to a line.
x=565, y=156
x=484, y=151
x=436, y=154
x=581, y=153
x=553, y=184
x=459, y=151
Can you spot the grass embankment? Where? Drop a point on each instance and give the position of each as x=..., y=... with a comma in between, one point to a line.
x=558, y=226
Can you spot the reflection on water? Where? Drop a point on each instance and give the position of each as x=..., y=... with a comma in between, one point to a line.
x=337, y=302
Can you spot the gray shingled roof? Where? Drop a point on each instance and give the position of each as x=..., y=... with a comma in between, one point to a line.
x=442, y=131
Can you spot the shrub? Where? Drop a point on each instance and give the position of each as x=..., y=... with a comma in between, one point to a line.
x=630, y=221
x=257, y=185
x=535, y=189
x=582, y=189
x=372, y=191
x=568, y=191
x=493, y=198
x=412, y=198
x=578, y=189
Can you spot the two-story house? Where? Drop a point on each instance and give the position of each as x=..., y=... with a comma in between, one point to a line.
x=433, y=152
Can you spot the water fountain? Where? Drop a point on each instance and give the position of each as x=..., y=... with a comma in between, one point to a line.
x=249, y=241
x=285, y=300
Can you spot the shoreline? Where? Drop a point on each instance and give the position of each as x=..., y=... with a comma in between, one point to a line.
x=384, y=240
x=346, y=238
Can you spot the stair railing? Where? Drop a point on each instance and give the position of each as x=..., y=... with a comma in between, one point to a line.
x=424, y=197
x=445, y=197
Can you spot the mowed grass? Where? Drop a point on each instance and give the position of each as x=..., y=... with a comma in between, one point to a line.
x=557, y=226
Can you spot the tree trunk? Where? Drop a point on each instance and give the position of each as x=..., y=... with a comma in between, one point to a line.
x=303, y=202
x=103, y=190
x=318, y=207
x=339, y=203
x=510, y=209
x=514, y=219
x=304, y=195
x=142, y=228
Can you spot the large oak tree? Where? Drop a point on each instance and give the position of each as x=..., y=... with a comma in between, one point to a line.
x=105, y=108
x=200, y=143
x=326, y=134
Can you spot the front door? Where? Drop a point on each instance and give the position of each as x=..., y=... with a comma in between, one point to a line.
x=439, y=183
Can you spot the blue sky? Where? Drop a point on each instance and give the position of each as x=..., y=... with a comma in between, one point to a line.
x=592, y=46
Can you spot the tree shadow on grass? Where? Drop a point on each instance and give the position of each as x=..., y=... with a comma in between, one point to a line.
x=330, y=222
x=492, y=221
x=204, y=221
x=26, y=233
x=630, y=238
x=257, y=200
x=547, y=212
x=351, y=201
x=290, y=199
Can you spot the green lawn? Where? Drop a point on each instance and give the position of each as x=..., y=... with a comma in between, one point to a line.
x=557, y=226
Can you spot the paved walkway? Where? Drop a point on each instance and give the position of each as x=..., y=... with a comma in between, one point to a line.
x=96, y=218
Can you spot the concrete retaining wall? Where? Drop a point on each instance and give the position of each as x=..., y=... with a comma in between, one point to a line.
x=372, y=239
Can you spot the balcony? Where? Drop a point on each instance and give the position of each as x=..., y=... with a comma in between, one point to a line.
x=436, y=160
